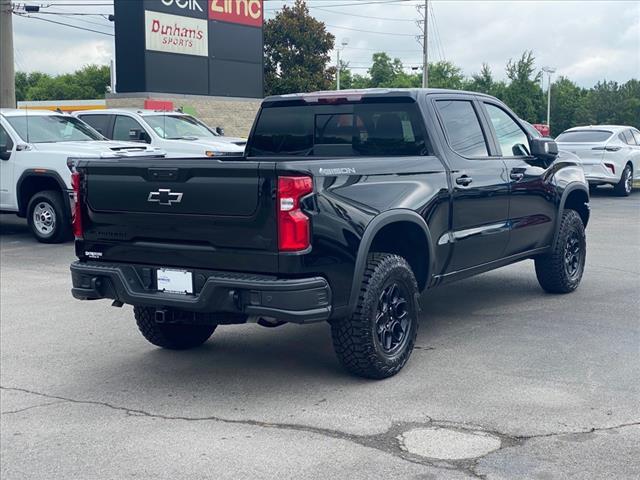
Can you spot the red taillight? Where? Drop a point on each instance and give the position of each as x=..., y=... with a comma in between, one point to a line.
x=293, y=224
x=76, y=179
x=611, y=167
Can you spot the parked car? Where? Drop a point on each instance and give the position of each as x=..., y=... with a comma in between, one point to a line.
x=35, y=178
x=177, y=133
x=345, y=206
x=563, y=155
x=610, y=154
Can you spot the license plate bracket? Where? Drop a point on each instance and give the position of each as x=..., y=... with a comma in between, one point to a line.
x=174, y=281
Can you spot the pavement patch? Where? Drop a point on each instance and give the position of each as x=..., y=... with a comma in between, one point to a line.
x=447, y=444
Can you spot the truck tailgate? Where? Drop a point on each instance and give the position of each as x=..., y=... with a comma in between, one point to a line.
x=168, y=212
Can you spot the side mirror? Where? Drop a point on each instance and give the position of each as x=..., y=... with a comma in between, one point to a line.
x=5, y=153
x=220, y=131
x=545, y=149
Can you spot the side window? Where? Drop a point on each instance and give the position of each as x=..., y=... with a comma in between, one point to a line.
x=5, y=139
x=629, y=137
x=98, y=122
x=511, y=138
x=127, y=129
x=462, y=127
x=636, y=136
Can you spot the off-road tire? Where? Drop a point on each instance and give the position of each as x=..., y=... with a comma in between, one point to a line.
x=61, y=229
x=625, y=186
x=551, y=268
x=170, y=336
x=355, y=339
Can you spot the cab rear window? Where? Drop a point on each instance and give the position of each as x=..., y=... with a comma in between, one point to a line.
x=374, y=129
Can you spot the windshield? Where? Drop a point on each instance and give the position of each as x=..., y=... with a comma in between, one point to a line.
x=580, y=136
x=176, y=127
x=52, y=129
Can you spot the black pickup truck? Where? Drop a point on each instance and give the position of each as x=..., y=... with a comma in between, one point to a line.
x=345, y=206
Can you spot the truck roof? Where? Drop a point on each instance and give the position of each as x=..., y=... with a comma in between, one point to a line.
x=19, y=112
x=139, y=111
x=368, y=92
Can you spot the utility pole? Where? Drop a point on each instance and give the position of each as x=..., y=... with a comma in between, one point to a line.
x=425, y=43
x=549, y=71
x=7, y=73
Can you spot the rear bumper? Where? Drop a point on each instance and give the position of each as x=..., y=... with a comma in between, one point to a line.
x=303, y=300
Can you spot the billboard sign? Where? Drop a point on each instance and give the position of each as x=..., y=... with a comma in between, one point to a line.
x=193, y=47
x=244, y=12
x=174, y=34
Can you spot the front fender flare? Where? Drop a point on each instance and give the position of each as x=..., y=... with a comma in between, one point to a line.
x=572, y=187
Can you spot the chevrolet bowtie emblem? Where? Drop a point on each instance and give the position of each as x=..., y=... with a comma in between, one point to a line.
x=164, y=196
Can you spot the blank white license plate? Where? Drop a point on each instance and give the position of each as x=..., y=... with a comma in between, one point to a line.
x=174, y=281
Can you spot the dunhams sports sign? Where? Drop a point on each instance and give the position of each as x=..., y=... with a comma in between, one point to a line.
x=192, y=47
x=176, y=34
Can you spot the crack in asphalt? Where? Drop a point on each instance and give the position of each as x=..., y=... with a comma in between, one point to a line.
x=387, y=442
x=9, y=412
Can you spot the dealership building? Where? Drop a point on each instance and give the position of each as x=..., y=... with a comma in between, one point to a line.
x=204, y=56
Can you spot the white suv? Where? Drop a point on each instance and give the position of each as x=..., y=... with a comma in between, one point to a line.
x=179, y=134
x=35, y=181
x=609, y=154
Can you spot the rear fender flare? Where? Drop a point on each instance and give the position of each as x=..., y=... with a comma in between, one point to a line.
x=380, y=221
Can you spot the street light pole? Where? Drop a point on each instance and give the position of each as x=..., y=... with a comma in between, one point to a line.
x=344, y=43
x=549, y=71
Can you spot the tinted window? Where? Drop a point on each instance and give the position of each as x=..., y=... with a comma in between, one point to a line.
x=463, y=128
x=389, y=129
x=579, y=136
x=124, y=129
x=636, y=136
x=5, y=139
x=98, y=122
x=511, y=138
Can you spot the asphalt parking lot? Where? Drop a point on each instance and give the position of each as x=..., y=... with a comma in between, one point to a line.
x=548, y=384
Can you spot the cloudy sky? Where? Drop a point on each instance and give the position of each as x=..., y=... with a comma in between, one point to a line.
x=586, y=41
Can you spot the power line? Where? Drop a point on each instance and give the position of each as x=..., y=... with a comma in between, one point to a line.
x=381, y=50
x=371, y=31
x=88, y=22
x=399, y=2
x=66, y=24
x=364, y=16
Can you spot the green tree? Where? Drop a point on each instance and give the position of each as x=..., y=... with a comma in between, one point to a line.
x=296, y=52
x=444, y=74
x=523, y=93
x=88, y=83
x=568, y=106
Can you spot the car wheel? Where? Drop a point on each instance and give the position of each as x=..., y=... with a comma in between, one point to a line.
x=173, y=336
x=561, y=270
x=625, y=185
x=49, y=217
x=377, y=341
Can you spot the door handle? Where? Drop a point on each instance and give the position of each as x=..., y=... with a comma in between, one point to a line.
x=464, y=180
x=517, y=176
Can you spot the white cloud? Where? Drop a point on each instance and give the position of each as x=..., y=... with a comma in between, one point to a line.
x=587, y=41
